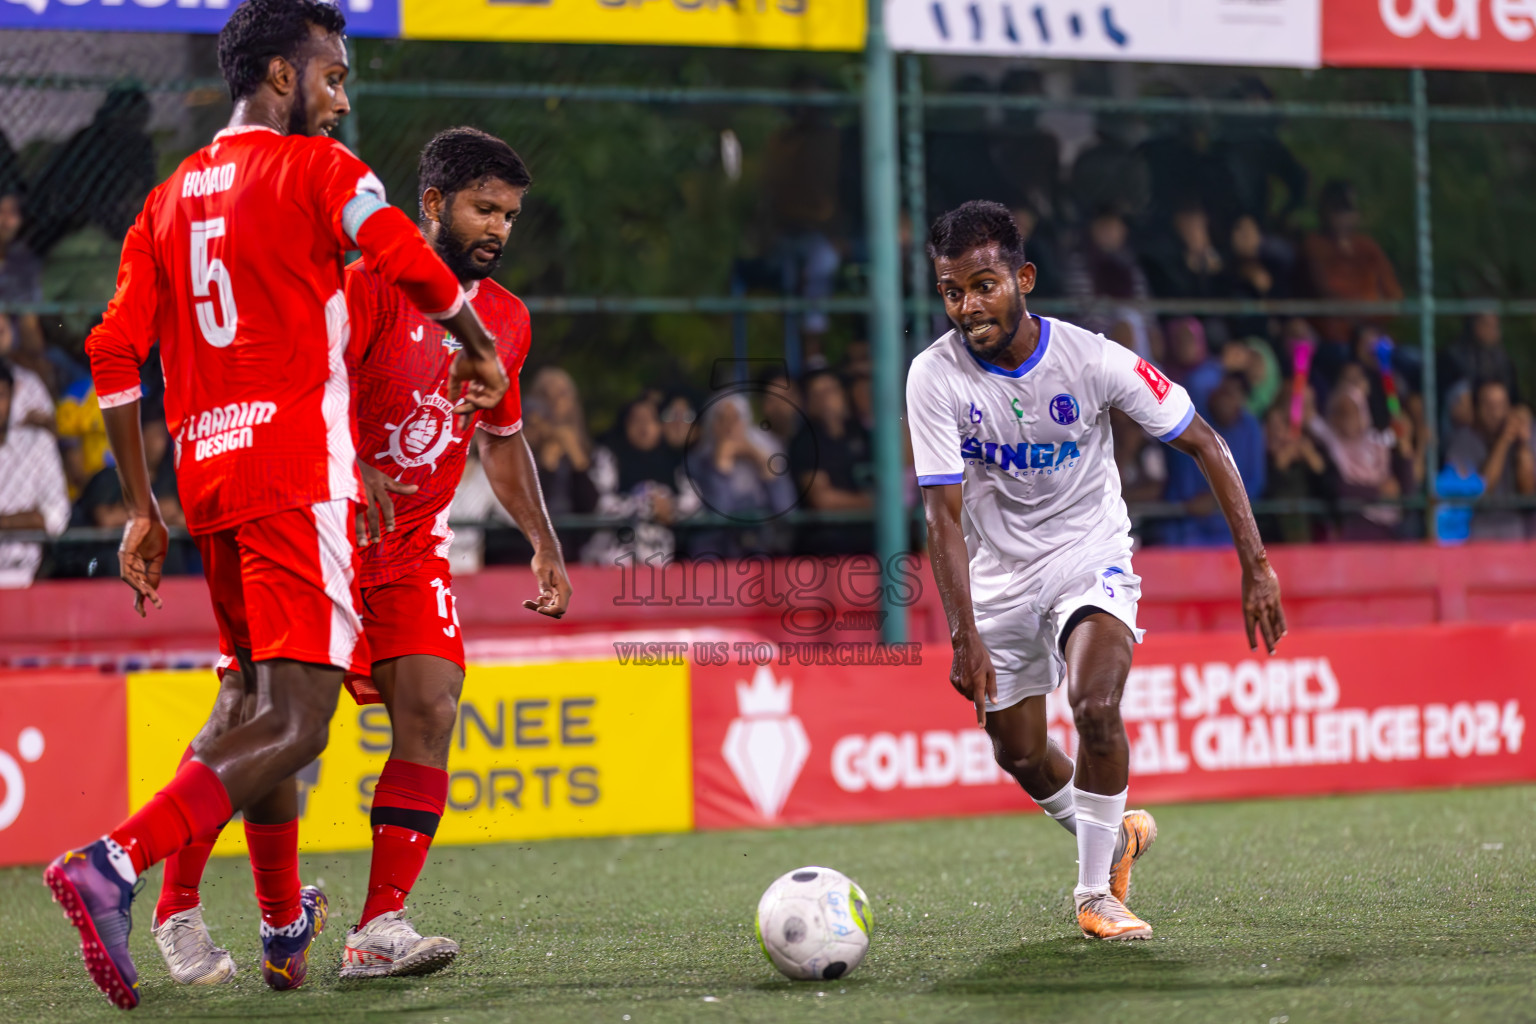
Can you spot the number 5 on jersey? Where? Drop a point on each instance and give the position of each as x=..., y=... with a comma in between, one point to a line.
x=207, y=272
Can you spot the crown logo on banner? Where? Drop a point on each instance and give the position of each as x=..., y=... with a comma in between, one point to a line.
x=764, y=697
x=766, y=746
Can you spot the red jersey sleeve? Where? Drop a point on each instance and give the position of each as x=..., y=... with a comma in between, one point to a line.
x=349, y=198
x=514, y=338
x=121, y=342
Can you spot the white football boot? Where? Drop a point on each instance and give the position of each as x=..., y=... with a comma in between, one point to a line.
x=388, y=947
x=189, y=950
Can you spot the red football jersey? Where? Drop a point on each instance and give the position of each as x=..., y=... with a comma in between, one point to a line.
x=404, y=417
x=236, y=265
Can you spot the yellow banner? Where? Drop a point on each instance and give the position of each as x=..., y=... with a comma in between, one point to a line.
x=776, y=24
x=539, y=751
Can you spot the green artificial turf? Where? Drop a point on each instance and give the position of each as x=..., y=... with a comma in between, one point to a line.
x=1404, y=907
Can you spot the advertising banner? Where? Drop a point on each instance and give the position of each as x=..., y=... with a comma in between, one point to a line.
x=1336, y=711
x=539, y=751
x=1280, y=33
x=364, y=17
x=1474, y=35
x=776, y=24
x=62, y=751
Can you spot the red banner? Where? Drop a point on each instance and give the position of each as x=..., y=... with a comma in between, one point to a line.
x=1335, y=711
x=63, y=761
x=1473, y=35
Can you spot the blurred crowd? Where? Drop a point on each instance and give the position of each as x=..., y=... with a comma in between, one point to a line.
x=1322, y=412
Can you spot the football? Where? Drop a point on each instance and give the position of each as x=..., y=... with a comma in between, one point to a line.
x=813, y=924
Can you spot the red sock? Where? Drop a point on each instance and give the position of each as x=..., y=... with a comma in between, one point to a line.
x=193, y=803
x=407, y=806
x=274, y=853
x=184, y=870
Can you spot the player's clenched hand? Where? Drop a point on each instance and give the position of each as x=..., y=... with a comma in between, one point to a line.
x=141, y=556
x=971, y=673
x=554, y=585
x=474, y=382
x=378, y=506
x=1262, y=614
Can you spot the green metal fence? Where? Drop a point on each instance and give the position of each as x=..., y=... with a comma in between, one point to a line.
x=895, y=111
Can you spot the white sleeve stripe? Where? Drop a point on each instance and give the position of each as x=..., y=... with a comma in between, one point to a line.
x=939, y=479
x=118, y=398
x=358, y=209
x=499, y=430
x=1184, y=422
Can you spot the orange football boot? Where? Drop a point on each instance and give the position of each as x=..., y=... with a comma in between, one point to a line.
x=1102, y=916
x=1137, y=831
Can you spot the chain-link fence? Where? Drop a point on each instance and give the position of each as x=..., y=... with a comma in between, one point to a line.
x=692, y=205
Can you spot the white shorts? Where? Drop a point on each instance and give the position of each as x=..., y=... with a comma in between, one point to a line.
x=1021, y=617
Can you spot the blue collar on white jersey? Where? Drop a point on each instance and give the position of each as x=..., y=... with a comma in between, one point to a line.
x=1028, y=364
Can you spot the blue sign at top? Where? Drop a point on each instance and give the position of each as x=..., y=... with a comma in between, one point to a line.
x=364, y=17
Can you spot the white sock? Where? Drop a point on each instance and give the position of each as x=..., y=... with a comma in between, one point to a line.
x=1098, y=828
x=1061, y=807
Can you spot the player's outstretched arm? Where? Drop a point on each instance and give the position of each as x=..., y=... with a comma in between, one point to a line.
x=971, y=671
x=514, y=479
x=1262, y=614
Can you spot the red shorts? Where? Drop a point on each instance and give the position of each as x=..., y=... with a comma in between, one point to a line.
x=414, y=614
x=285, y=586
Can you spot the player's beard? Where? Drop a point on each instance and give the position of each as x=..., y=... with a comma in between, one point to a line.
x=460, y=259
x=989, y=351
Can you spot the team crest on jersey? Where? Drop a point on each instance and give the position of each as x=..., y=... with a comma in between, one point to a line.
x=1064, y=409
x=424, y=436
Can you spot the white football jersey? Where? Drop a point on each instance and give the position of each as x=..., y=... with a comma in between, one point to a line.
x=1031, y=447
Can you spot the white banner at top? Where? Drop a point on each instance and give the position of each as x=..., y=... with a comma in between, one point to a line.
x=1270, y=33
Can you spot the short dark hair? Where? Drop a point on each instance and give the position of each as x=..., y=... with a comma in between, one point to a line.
x=1337, y=196
x=6, y=376
x=262, y=29
x=974, y=224
x=457, y=157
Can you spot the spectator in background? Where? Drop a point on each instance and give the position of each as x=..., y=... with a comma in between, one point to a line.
x=861, y=395
x=1040, y=246
x=637, y=478
x=830, y=460
x=556, y=432
x=1109, y=173
x=100, y=505
x=781, y=403
x=1105, y=267
x=1296, y=470
x=1342, y=263
x=1251, y=275
x=1497, y=448
x=31, y=405
x=1256, y=157
x=33, y=496
x=1184, y=263
x=100, y=176
x=1255, y=359
x=677, y=416
x=21, y=282
x=1364, y=468
x=1479, y=354
x=1190, y=361
x=82, y=435
x=740, y=471
x=1204, y=525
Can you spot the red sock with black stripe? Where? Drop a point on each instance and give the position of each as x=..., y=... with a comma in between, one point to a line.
x=184, y=869
x=407, y=806
x=192, y=804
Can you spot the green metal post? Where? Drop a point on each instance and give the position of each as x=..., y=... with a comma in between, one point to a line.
x=919, y=276
x=881, y=212
x=1421, y=215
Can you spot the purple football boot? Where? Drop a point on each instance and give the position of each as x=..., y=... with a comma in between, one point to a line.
x=95, y=888
x=285, y=951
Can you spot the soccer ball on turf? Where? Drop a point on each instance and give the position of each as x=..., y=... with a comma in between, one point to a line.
x=814, y=923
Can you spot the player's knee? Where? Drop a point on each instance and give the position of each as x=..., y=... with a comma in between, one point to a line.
x=1020, y=762
x=1098, y=721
